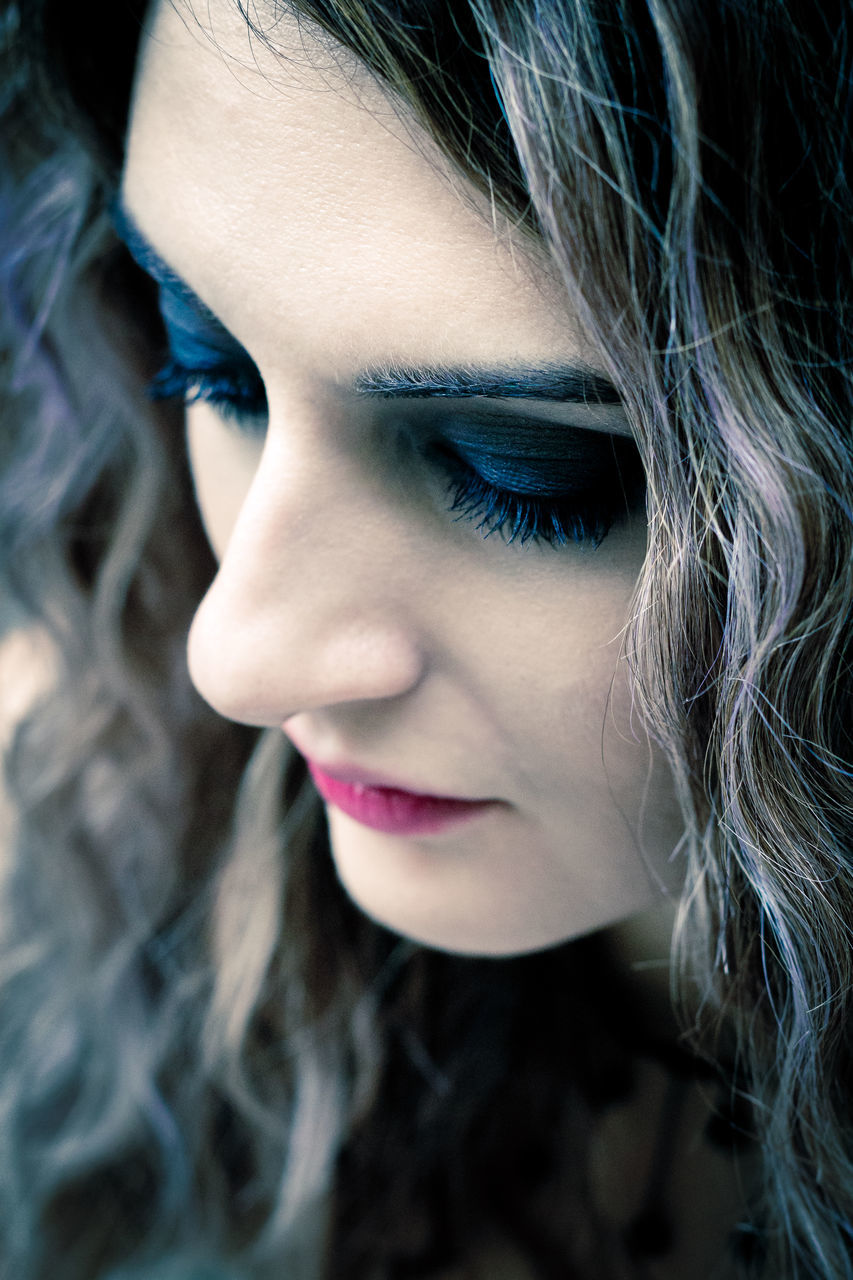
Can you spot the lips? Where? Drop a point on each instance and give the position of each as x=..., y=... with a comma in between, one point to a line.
x=391, y=809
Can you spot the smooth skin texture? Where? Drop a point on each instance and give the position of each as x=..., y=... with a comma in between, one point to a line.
x=327, y=234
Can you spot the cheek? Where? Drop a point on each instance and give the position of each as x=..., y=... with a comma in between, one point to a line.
x=605, y=782
x=560, y=690
x=561, y=657
x=572, y=709
x=223, y=462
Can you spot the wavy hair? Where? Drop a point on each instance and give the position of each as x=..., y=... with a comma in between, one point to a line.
x=213, y=1065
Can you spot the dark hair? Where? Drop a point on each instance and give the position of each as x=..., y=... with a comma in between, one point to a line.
x=179, y=1085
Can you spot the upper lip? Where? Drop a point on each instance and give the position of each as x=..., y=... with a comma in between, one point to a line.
x=351, y=773
x=344, y=771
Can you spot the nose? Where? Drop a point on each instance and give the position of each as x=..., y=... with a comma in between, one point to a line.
x=312, y=604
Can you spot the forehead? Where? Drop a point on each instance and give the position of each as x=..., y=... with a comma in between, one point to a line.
x=310, y=212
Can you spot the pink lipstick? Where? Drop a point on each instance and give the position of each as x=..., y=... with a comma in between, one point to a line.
x=391, y=809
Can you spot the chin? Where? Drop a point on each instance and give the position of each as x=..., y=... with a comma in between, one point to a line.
x=443, y=895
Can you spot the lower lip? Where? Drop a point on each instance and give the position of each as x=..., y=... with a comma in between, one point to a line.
x=392, y=811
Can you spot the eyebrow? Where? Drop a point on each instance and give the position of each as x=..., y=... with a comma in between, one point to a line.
x=574, y=383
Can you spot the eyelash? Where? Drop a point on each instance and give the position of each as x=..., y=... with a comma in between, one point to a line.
x=521, y=518
x=238, y=395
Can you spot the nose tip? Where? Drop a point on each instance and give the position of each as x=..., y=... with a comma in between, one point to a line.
x=312, y=604
x=263, y=669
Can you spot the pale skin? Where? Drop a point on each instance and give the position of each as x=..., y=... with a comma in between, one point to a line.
x=351, y=607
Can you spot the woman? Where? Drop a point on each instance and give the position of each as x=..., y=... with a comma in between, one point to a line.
x=514, y=350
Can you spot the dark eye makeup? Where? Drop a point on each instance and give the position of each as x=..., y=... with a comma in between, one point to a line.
x=575, y=495
x=525, y=477
x=236, y=390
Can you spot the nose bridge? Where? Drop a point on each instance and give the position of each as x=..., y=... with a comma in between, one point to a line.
x=311, y=605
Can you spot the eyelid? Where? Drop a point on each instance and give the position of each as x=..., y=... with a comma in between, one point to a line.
x=156, y=268
x=563, y=450
x=529, y=427
x=188, y=321
x=529, y=435
x=549, y=474
x=187, y=328
x=201, y=353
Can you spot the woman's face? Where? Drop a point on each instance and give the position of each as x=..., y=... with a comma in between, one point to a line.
x=342, y=268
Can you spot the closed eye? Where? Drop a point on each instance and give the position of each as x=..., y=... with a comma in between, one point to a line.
x=581, y=509
x=236, y=391
x=575, y=501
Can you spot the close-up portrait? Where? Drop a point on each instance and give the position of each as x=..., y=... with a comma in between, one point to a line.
x=426, y=657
